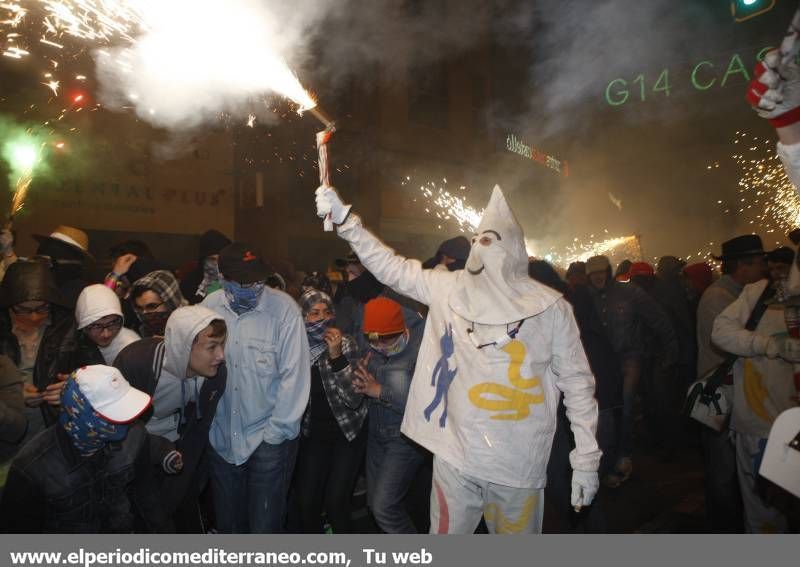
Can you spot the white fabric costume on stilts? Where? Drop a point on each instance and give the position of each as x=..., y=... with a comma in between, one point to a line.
x=498, y=350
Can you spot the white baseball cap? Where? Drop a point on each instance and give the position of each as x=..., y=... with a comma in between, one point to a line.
x=110, y=395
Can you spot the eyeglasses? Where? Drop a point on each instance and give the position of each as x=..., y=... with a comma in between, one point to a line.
x=149, y=308
x=114, y=325
x=22, y=310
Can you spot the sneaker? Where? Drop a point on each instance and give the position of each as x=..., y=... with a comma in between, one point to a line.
x=624, y=468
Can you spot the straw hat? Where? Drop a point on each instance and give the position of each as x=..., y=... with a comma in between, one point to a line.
x=70, y=236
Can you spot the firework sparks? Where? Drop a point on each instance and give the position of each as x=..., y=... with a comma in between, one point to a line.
x=767, y=200
x=445, y=205
x=22, y=155
x=448, y=206
x=161, y=47
x=580, y=251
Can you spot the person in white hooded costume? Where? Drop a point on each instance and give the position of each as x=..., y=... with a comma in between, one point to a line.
x=774, y=93
x=497, y=352
x=99, y=316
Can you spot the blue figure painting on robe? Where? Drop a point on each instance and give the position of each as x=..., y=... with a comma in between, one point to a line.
x=442, y=377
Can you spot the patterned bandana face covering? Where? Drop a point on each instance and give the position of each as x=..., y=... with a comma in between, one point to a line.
x=242, y=299
x=88, y=431
x=316, y=332
x=398, y=346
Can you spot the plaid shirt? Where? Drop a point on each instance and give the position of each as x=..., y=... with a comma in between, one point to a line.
x=347, y=406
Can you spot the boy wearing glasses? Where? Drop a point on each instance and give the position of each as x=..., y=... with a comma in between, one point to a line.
x=155, y=297
x=99, y=317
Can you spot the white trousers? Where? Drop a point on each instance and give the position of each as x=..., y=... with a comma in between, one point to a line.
x=458, y=501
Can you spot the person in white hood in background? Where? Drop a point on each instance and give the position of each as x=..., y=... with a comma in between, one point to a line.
x=99, y=317
x=498, y=351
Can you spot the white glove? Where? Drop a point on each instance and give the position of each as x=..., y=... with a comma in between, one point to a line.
x=6, y=242
x=774, y=91
x=584, y=488
x=329, y=202
x=784, y=347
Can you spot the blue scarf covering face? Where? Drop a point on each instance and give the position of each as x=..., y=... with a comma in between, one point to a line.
x=316, y=332
x=88, y=431
x=242, y=299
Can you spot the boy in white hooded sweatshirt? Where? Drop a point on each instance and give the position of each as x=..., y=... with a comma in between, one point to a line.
x=100, y=320
x=497, y=352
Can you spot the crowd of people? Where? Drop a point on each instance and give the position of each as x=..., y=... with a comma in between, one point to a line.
x=247, y=409
x=230, y=397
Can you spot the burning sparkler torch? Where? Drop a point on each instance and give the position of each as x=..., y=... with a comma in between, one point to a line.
x=323, y=138
x=22, y=157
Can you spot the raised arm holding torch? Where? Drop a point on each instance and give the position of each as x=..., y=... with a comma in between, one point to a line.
x=323, y=138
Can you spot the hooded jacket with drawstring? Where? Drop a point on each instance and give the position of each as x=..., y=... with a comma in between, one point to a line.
x=95, y=302
x=501, y=401
x=183, y=407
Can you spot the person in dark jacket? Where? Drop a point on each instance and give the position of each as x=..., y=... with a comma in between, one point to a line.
x=671, y=291
x=67, y=250
x=90, y=473
x=626, y=312
x=37, y=332
x=608, y=391
x=185, y=374
x=205, y=278
x=384, y=377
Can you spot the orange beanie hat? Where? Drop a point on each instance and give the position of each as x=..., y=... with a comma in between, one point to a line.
x=382, y=316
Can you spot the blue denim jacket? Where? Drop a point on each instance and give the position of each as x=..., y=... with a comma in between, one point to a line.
x=394, y=374
x=269, y=376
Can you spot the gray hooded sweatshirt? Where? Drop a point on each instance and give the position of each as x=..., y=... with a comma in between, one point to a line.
x=174, y=390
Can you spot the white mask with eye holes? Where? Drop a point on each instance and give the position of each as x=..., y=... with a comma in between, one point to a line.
x=494, y=288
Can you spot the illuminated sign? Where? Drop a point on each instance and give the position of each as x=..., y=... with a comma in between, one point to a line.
x=517, y=146
x=705, y=75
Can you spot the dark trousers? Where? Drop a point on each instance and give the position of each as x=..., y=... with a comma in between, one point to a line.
x=392, y=463
x=251, y=498
x=724, y=508
x=559, y=514
x=631, y=373
x=324, y=479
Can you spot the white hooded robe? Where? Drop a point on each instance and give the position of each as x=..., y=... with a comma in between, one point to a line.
x=500, y=403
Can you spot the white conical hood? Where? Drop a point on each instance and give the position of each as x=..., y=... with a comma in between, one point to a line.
x=495, y=288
